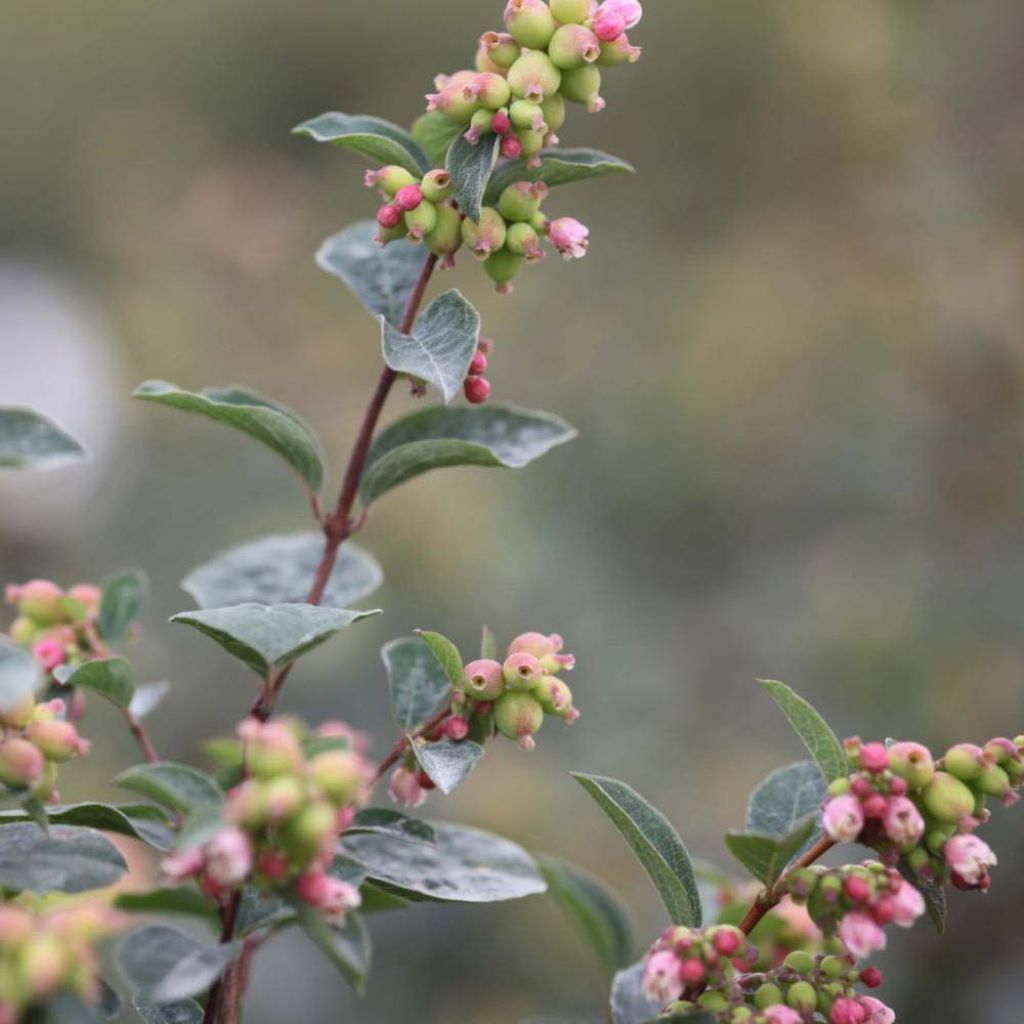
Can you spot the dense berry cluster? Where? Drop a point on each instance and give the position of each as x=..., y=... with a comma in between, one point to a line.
x=58, y=626
x=511, y=698
x=784, y=929
x=281, y=823
x=34, y=739
x=50, y=951
x=905, y=804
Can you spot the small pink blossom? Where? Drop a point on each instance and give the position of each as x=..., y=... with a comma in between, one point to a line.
x=405, y=788
x=228, y=857
x=843, y=818
x=903, y=822
x=860, y=934
x=908, y=905
x=969, y=858
x=631, y=11
x=846, y=1010
x=180, y=866
x=662, y=982
x=569, y=237
x=780, y=1014
x=49, y=653
x=608, y=24
x=877, y=1011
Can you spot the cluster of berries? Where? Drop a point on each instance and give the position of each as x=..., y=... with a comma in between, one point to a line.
x=548, y=54
x=905, y=804
x=856, y=902
x=282, y=822
x=34, y=739
x=511, y=697
x=476, y=387
x=54, y=624
x=505, y=237
x=46, y=952
x=690, y=971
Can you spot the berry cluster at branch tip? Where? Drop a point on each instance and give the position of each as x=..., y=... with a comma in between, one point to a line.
x=923, y=812
x=34, y=739
x=59, y=627
x=49, y=950
x=512, y=698
x=281, y=823
x=548, y=54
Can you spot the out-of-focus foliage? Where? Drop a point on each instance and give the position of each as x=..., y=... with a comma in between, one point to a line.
x=794, y=356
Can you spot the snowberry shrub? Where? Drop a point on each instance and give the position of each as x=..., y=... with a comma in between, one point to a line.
x=282, y=833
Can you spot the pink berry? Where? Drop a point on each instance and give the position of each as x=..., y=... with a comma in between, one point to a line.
x=456, y=728
x=691, y=971
x=871, y=977
x=857, y=889
x=409, y=198
x=501, y=124
x=389, y=216
x=511, y=147
x=478, y=365
x=874, y=758
x=477, y=390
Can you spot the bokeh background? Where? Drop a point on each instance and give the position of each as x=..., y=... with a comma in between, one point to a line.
x=794, y=356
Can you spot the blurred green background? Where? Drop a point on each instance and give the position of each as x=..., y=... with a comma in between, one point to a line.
x=794, y=355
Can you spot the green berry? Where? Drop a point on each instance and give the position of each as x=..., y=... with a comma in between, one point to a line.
x=525, y=114
x=392, y=178
x=993, y=781
x=530, y=23
x=485, y=236
x=502, y=266
x=582, y=86
x=839, y=787
x=800, y=961
x=833, y=967
x=518, y=716
x=768, y=995
x=553, y=109
x=571, y=11
x=533, y=77
x=964, y=761
x=524, y=240
x=947, y=799
x=573, y=46
x=521, y=200
x=421, y=221
x=912, y=762
x=446, y=238
x=802, y=996
x=713, y=1001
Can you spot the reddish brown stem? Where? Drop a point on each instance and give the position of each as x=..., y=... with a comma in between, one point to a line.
x=772, y=897
x=403, y=744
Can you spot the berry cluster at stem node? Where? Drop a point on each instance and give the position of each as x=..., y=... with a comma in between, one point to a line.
x=281, y=824
x=46, y=950
x=59, y=627
x=34, y=739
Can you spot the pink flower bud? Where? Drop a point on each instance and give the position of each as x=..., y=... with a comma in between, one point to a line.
x=404, y=788
x=871, y=977
x=456, y=728
x=847, y=1011
x=273, y=866
x=877, y=1011
x=569, y=237
x=408, y=198
x=691, y=971
x=908, y=905
x=500, y=123
x=181, y=866
x=389, y=215
x=631, y=11
x=228, y=857
x=511, y=147
x=478, y=364
x=49, y=653
x=968, y=857
x=903, y=822
x=843, y=819
x=860, y=934
x=608, y=25
x=22, y=765
x=874, y=805
x=662, y=982
x=874, y=758
x=477, y=390
x=780, y=1014
x=857, y=889
x=58, y=740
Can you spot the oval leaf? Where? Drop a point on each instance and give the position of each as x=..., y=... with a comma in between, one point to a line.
x=382, y=277
x=347, y=947
x=594, y=908
x=178, y=786
x=435, y=133
x=185, y=900
x=492, y=435
x=372, y=137
x=629, y=1004
x=557, y=167
x=819, y=739
x=65, y=859
x=278, y=428
x=138, y=822
x=112, y=678
x=446, y=653
x=416, y=681
x=470, y=166
x=20, y=675
x=164, y=965
x=279, y=569
x=655, y=842
x=767, y=856
x=786, y=798
x=269, y=637
x=186, y=1011
x=384, y=820
x=122, y=601
x=28, y=440
x=448, y=763
x=466, y=866
x=441, y=346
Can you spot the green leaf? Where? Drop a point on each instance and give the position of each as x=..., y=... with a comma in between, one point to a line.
x=654, y=841
x=448, y=763
x=442, y=344
x=372, y=137
x=629, y=1004
x=136, y=821
x=112, y=678
x=164, y=965
x=470, y=166
x=347, y=947
x=185, y=1011
x=435, y=133
x=786, y=798
x=66, y=859
x=820, y=740
x=185, y=900
x=557, y=167
x=382, y=277
x=484, y=435
x=466, y=866
x=279, y=569
x=446, y=653
x=148, y=697
x=278, y=428
x=110, y=1004
x=28, y=440
x=594, y=908
x=63, y=1008
x=767, y=856
x=20, y=675
x=416, y=681
x=122, y=601
x=178, y=786
x=388, y=822
x=270, y=637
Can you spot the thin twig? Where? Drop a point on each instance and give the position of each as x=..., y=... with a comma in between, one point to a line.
x=403, y=743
